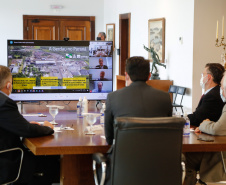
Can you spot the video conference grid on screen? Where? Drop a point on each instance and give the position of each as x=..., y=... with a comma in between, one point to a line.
x=60, y=67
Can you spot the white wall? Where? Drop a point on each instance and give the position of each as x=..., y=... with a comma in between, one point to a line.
x=206, y=14
x=183, y=17
x=179, y=15
x=12, y=11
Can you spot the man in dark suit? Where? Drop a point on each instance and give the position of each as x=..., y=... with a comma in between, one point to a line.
x=101, y=66
x=12, y=127
x=210, y=105
x=137, y=99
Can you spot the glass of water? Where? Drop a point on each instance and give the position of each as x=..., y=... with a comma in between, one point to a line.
x=53, y=111
x=91, y=118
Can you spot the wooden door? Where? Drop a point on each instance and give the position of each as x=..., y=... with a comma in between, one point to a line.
x=75, y=30
x=124, y=41
x=57, y=27
x=43, y=29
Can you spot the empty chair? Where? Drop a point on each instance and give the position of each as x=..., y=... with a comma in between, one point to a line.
x=146, y=151
x=10, y=170
x=177, y=90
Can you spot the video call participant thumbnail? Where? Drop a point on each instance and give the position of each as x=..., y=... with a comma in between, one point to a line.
x=99, y=88
x=101, y=64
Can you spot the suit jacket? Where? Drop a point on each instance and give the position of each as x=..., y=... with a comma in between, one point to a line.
x=211, y=168
x=209, y=107
x=215, y=128
x=137, y=100
x=104, y=67
x=12, y=127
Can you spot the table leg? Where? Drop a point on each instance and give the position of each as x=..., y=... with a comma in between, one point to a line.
x=76, y=170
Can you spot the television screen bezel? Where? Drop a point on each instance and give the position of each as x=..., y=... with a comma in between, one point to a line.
x=59, y=96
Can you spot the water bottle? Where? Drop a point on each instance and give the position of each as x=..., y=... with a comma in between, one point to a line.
x=102, y=113
x=79, y=108
x=84, y=105
x=186, y=126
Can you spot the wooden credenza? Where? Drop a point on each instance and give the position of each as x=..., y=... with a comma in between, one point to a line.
x=158, y=84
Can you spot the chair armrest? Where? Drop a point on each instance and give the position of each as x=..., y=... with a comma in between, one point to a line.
x=99, y=158
x=9, y=181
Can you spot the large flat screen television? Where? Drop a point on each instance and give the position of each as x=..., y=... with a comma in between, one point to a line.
x=60, y=70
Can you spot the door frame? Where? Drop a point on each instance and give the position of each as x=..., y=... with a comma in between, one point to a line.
x=122, y=18
x=58, y=18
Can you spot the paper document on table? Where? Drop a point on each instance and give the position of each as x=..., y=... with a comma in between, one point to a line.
x=103, y=137
x=60, y=129
x=57, y=129
x=94, y=128
x=39, y=115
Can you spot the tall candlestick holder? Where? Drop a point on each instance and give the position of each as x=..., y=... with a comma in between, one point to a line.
x=223, y=55
x=221, y=43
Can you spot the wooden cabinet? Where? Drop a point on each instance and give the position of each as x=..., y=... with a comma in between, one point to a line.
x=158, y=84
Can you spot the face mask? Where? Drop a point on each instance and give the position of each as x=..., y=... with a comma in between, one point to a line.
x=202, y=84
x=222, y=97
x=98, y=38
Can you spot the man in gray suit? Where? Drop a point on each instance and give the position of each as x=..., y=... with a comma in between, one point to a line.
x=137, y=99
x=211, y=165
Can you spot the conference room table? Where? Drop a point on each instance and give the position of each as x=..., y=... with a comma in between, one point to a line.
x=76, y=148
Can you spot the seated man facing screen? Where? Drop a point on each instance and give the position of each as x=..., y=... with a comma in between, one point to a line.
x=209, y=164
x=12, y=127
x=210, y=105
x=136, y=100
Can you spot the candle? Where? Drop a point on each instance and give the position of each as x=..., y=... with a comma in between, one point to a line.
x=223, y=26
x=217, y=31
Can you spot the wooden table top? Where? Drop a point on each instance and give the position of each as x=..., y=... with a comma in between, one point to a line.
x=76, y=142
x=192, y=144
x=67, y=141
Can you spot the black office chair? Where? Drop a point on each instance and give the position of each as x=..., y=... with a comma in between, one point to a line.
x=175, y=90
x=14, y=167
x=146, y=151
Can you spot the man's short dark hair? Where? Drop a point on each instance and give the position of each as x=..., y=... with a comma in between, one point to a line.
x=4, y=75
x=103, y=34
x=216, y=70
x=138, y=68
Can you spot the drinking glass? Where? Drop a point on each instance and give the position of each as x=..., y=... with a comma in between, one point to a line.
x=53, y=111
x=91, y=119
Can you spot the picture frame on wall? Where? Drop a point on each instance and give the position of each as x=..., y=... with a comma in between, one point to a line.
x=156, y=37
x=110, y=33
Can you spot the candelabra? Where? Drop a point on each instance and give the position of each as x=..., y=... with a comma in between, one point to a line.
x=223, y=55
x=221, y=43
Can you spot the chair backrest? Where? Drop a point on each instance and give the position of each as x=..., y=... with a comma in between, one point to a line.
x=173, y=90
x=147, y=151
x=181, y=91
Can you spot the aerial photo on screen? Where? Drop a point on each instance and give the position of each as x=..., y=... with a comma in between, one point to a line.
x=49, y=67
